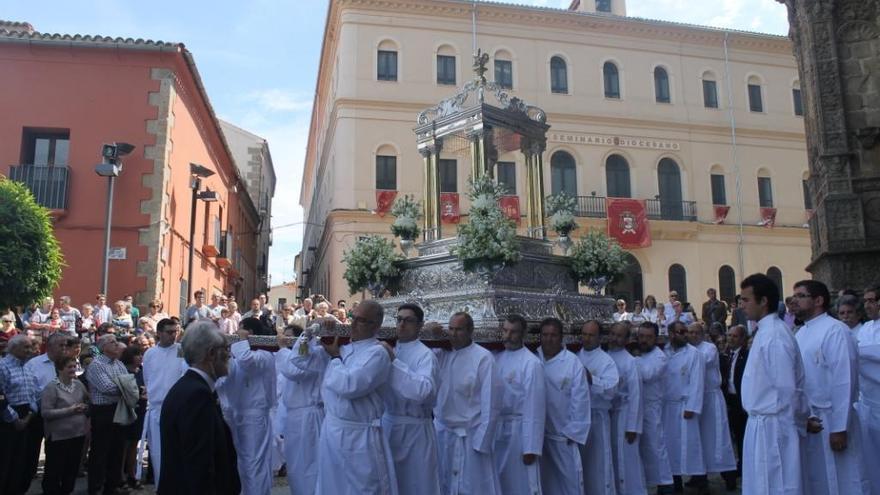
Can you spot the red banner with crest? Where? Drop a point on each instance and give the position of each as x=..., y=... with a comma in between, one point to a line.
x=449, y=210
x=720, y=213
x=768, y=217
x=510, y=206
x=384, y=201
x=628, y=222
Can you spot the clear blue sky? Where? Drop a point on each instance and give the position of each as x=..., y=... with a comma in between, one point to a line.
x=259, y=61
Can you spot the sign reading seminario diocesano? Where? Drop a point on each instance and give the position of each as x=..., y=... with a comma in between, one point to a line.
x=622, y=141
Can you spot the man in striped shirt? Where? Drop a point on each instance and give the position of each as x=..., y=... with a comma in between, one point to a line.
x=19, y=386
x=107, y=444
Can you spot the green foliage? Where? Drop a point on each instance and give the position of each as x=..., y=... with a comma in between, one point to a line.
x=489, y=237
x=370, y=263
x=30, y=257
x=560, y=208
x=598, y=256
x=407, y=213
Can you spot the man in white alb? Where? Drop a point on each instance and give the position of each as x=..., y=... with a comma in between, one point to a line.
x=353, y=453
x=466, y=413
x=596, y=453
x=772, y=395
x=568, y=424
x=519, y=438
x=869, y=381
x=833, y=457
x=652, y=368
x=626, y=415
x=163, y=366
x=410, y=395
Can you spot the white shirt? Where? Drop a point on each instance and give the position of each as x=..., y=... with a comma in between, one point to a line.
x=622, y=316
x=412, y=388
x=568, y=397
x=103, y=314
x=731, y=385
x=522, y=380
x=162, y=367
x=43, y=369
x=604, y=374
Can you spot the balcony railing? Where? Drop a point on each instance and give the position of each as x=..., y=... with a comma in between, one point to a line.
x=658, y=209
x=49, y=184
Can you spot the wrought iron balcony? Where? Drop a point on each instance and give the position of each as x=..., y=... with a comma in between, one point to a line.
x=49, y=184
x=658, y=209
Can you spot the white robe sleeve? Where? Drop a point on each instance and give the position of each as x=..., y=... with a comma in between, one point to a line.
x=578, y=427
x=248, y=360
x=356, y=379
x=418, y=384
x=697, y=373
x=636, y=410
x=534, y=410
x=605, y=381
x=836, y=352
x=490, y=396
x=309, y=365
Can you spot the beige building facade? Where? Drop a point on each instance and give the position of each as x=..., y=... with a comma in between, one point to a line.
x=684, y=117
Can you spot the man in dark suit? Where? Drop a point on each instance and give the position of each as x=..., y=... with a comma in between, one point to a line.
x=197, y=451
x=733, y=363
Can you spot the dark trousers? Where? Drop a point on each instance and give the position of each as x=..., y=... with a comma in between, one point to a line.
x=35, y=440
x=737, y=419
x=105, y=456
x=15, y=477
x=62, y=465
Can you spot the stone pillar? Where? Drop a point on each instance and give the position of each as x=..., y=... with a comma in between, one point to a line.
x=431, y=156
x=837, y=46
x=533, y=153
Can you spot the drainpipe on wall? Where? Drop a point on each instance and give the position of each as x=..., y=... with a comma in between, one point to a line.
x=736, y=171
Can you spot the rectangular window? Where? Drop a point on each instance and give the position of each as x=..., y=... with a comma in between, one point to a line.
x=719, y=195
x=448, y=176
x=755, y=103
x=504, y=73
x=445, y=69
x=765, y=192
x=386, y=172
x=45, y=147
x=603, y=5
x=710, y=94
x=808, y=200
x=387, y=65
x=507, y=176
x=798, y=102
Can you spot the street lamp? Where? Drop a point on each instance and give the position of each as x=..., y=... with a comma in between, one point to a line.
x=197, y=172
x=110, y=167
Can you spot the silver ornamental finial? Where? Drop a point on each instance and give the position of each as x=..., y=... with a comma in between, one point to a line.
x=480, y=61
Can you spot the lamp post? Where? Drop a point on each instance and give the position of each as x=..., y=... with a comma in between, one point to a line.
x=110, y=167
x=197, y=173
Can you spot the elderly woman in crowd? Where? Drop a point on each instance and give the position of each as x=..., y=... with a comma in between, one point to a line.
x=133, y=359
x=64, y=404
x=155, y=315
x=122, y=318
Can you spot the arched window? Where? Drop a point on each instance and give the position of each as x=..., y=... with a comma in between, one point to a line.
x=386, y=168
x=617, y=177
x=558, y=75
x=386, y=61
x=710, y=90
x=661, y=85
x=765, y=189
x=727, y=284
x=504, y=69
x=678, y=281
x=563, y=174
x=775, y=274
x=669, y=182
x=612, y=80
x=756, y=101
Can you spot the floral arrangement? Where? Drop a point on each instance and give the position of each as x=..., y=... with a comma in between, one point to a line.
x=406, y=222
x=560, y=208
x=597, y=260
x=489, y=237
x=370, y=264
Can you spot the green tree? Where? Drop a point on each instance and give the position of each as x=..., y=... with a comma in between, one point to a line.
x=30, y=257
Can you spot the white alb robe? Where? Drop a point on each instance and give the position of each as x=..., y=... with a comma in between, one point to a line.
x=465, y=417
x=248, y=392
x=714, y=428
x=162, y=367
x=652, y=445
x=410, y=395
x=567, y=424
x=683, y=391
x=596, y=454
x=353, y=454
x=869, y=395
x=276, y=414
x=303, y=412
x=627, y=414
x=773, y=396
x=831, y=372
x=521, y=419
